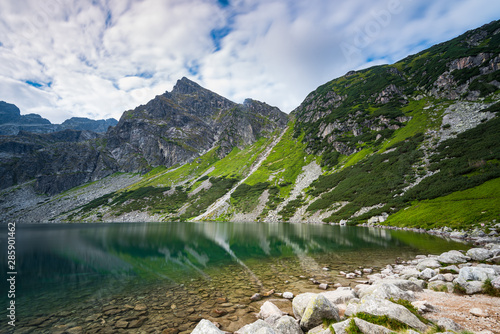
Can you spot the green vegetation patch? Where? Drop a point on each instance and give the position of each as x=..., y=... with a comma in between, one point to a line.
x=459, y=210
x=411, y=308
x=463, y=162
x=246, y=197
x=206, y=197
x=291, y=207
x=283, y=164
x=489, y=289
x=374, y=180
x=384, y=320
x=352, y=328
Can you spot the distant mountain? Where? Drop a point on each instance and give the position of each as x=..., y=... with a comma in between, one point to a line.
x=414, y=143
x=82, y=123
x=12, y=122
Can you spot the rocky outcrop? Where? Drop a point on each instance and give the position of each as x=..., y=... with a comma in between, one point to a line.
x=180, y=125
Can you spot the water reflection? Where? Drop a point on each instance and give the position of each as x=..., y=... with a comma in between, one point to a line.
x=101, y=259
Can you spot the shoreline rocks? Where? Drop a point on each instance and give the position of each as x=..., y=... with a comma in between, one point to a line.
x=388, y=295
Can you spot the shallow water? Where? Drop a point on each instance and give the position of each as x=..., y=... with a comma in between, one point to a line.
x=109, y=277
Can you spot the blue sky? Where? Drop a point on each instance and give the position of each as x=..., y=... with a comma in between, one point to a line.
x=65, y=58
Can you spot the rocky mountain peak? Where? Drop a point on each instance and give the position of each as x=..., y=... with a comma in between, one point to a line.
x=186, y=86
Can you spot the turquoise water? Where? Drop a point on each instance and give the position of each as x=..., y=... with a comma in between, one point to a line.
x=70, y=272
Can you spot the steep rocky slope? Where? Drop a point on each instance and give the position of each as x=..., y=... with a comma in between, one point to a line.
x=173, y=128
x=177, y=126
x=386, y=144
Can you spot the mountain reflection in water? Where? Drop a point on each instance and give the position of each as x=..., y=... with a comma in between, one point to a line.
x=97, y=260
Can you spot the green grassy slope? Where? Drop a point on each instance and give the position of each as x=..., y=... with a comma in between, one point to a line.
x=459, y=210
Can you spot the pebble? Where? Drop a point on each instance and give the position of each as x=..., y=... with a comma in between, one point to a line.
x=287, y=295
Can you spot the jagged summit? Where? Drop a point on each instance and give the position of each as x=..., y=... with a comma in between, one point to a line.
x=186, y=86
x=173, y=128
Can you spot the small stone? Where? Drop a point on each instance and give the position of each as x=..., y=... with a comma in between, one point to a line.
x=326, y=269
x=350, y=276
x=218, y=313
x=140, y=307
x=137, y=323
x=170, y=331
x=368, y=270
x=75, y=330
x=121, y=324
x=323, y=286
x=173, y=306
x=478, y=312
x=221, y=300
x=268, y=293
x=256, y=297
x=287, y=295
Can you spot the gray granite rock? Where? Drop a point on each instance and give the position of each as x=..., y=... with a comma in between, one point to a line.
x=318, y=309
x=206, y=327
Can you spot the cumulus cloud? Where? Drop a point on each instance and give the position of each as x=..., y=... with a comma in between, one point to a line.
x=64, y=58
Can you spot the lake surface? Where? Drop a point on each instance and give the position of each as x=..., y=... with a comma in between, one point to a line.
x=107, y=278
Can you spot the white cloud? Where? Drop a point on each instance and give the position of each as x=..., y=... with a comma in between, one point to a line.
x=99, y=58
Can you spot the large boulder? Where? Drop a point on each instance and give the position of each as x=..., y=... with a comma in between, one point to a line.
x=449, y=324
x=206, y=327
x=452, y=257
x=340, y=296
x=255, y=327
x=384, y=290
x=406, y=285
x=318, y=309
x=479, y=254
x=427, y=273
x=300, y=302
x=382, y=307
x=287, y=325
x=428, y=263
x=496, y=283
x=368, y=328
x=409, y=272
x=476, y=274
x=363, y=326
x=268, y=309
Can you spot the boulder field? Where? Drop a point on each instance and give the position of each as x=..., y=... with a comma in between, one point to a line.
x=385, y=302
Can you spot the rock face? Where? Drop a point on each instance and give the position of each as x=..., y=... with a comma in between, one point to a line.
x=180, y=125
x=173, y=128
x=57, y=161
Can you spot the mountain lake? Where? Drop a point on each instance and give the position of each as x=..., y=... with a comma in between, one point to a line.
x=165, y=277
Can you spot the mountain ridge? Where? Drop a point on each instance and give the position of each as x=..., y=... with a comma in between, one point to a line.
x=12, y=122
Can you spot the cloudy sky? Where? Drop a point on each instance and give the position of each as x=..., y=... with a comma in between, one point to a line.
x=97, y=58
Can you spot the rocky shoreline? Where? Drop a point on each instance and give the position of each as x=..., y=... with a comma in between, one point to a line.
x=391, y=301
